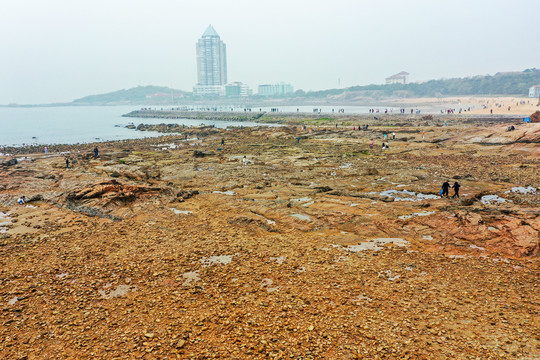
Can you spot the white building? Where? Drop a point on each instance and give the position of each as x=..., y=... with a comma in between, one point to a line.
x=237, y=89
x=534, y=91
x=275, y=89
x=211, y=65
x=399, y=78
x=209, y=90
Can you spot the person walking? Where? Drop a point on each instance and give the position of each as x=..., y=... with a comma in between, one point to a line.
x=445, y=187
x=456, y=187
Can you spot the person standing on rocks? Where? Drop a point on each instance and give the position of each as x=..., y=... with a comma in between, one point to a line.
x=244, y=160
x=456, y=187
x=393, y=136
x=96, y=152
x=371, y=144
x=222, y=142
x=67, y=163
x=445, y=187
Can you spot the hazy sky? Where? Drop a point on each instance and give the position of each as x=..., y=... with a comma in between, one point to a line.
x=60, y=50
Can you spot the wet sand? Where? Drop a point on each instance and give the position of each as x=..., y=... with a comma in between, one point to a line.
x=519, y=105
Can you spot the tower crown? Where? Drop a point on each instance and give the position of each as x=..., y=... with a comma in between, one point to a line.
x=210, y=32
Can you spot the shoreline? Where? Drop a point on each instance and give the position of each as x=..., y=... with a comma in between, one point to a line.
x=270, y=120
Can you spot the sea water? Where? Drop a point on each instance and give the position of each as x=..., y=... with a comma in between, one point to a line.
x=81, y=124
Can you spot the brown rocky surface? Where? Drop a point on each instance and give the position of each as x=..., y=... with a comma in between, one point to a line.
x=320, y=248
x=535, y=117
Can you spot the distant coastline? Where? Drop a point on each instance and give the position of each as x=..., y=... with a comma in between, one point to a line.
x=501, y=84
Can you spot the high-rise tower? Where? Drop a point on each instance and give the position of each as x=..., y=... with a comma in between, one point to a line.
x=211, y=64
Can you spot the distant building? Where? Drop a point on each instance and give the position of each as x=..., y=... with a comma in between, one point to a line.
x=275, y=89
x=211, y=65
x=209, y=90
x=399, y=78
x=237, y=89
x=534, y=91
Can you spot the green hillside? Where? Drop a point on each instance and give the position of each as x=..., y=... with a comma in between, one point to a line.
x=138, y=95
x=514, y=83
x=508, y=83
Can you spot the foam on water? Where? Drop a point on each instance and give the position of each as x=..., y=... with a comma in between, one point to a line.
x=4, y=225
x=301, y=217
x=217, y=260
x=522, y=190
x=13, y=301
x=389, y=275
x=121, y=290
x=191, y=276
x=301, y=200
x=267, y=283
x=405, y=195
x=279, y=259
x=376, y=244
x=180, y=212
x=228, y=192
x=490, y=199
x=423, y=213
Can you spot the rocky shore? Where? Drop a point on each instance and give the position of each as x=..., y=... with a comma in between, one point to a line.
x=316, y=246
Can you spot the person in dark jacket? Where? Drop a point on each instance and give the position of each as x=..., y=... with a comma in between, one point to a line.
x=445, y=187
x=456, y=187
